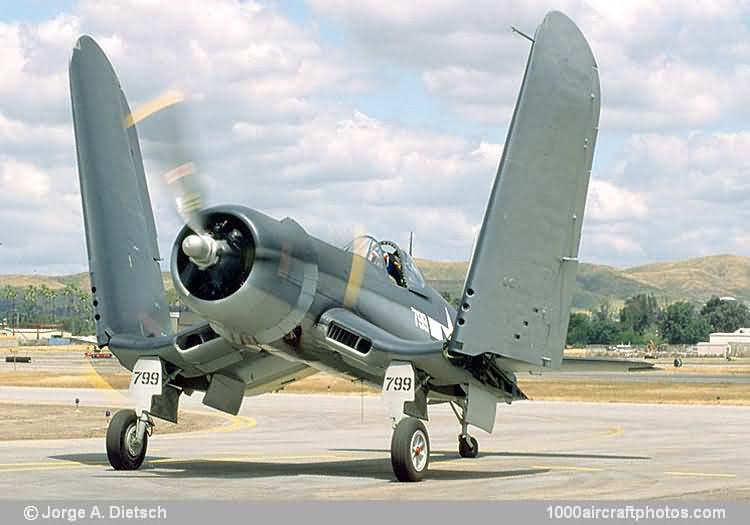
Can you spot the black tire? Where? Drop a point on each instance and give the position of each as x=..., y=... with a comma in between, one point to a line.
x=118, y=452
x=402, y=460
x=468, y=447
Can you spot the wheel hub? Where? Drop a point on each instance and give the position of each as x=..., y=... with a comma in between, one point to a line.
x=134, y=446
x=419, y=450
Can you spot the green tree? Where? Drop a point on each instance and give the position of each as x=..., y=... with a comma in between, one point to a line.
x=681, y=324
x=30, y=304
x=603, y=332
x=628, y=336
x=11, y=294
x=603, y=312
x=578, y=329
x=639, y=313
x=652, y=335
x=69, y=293
x=173, y=299
x=725, y=316
x=54, y=296
x=453, y=301
x=46, y=294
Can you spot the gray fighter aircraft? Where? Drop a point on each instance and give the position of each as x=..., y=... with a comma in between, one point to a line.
x=280, y=304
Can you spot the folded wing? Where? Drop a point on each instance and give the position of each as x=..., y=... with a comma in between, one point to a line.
x=519, y=287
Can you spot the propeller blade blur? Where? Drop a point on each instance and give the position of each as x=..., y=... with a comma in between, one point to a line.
x=166, y=114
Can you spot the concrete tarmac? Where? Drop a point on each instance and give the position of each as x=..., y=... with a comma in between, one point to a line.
x=713, y=370
x=287, y=446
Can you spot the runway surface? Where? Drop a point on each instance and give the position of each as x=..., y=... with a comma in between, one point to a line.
x=652, y=376
x=712, y=370
x=289, y=446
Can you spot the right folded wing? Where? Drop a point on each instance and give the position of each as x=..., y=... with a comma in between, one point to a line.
x=519, y=287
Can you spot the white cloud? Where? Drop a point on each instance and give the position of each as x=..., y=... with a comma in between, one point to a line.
x=617, y=243
x=276, y=126
x=23, y=181
x=264, y=138
x=662, y=64
x=607, y=202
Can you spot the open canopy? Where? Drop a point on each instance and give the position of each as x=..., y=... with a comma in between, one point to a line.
x=388, y=256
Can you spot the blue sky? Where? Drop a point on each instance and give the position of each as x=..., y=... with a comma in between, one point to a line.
x=32, y=10
x=386, y=116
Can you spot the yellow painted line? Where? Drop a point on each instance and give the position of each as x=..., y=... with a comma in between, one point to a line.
x=242, y=459
x=60, y=465
x=165, y=100
x=40, y=463
x=699, y=474
x=99, y=382
x=237, y=423
x=614, y=432
x=562, y=467
x=175, y=460
x=291, y=458
x=435, y=463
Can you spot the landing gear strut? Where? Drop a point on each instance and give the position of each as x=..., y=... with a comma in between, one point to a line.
x=410, y=450
x=468, y=447
x=127, y=439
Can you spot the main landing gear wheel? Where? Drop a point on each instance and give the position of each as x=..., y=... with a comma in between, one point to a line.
x=124, y=451
x=410, y=450
x=468, y=446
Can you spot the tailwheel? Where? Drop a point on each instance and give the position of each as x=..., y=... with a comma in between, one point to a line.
x=467, y=446
x=410, y=450
x=126, y=449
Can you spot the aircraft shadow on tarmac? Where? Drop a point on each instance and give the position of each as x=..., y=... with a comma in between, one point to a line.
x=563, y=455
x=374, y=468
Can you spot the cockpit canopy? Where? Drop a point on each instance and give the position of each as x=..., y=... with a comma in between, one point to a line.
x=390, y=258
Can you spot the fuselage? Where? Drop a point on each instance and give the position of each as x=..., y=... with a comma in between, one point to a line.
x=296, y=278
x=403, y=313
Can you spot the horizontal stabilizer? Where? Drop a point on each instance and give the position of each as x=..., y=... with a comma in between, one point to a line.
x=603, y=364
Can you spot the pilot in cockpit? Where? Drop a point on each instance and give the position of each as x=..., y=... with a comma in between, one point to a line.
x=394, y=268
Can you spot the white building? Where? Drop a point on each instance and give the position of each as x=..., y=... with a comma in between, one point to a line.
x=721, y=343
x=741, y=337
x=712, y=349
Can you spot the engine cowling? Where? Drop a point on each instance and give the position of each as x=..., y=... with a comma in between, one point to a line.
x=251, y=276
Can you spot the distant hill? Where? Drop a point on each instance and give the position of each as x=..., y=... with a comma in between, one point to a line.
x=58, y=282
x=693, y=280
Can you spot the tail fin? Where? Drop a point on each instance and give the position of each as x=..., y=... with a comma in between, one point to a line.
x=519, y=287
x=126, y=281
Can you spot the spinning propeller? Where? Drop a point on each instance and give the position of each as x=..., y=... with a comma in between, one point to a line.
x=218, y=251
x=215, y=248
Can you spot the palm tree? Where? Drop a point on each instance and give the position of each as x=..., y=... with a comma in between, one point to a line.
x=54, y=294
x=70, y=292
x=10, y=294
x=46, y=293
x=29, y=305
